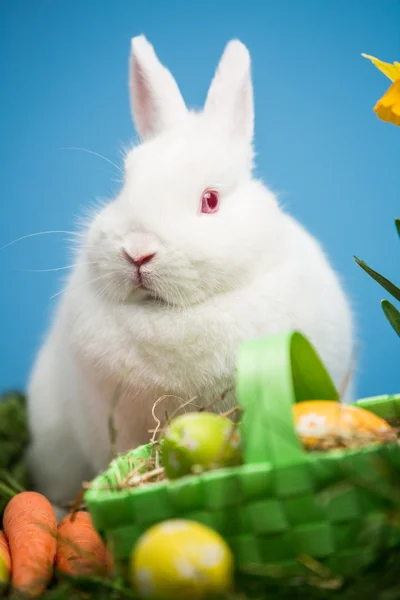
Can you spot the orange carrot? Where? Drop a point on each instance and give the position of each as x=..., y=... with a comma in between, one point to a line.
x=5, y=553
x=30, y=526
x=80, y=549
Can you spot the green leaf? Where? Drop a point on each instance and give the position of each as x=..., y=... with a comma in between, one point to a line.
x=397, y=221
x=392, y=315
x=385, y=283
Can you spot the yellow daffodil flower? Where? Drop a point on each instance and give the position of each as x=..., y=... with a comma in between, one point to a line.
x=388, y=107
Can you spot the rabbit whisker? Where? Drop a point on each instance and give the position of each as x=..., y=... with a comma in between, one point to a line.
x=82, y=284
x=95, y=262
x=30, y=235
x=99, y=156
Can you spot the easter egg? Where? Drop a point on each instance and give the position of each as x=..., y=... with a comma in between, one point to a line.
x=4, y=575
x=326, y=421
x=181, y=559
x=204, y=440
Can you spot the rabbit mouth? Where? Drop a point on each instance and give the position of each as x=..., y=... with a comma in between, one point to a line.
x=152, y=298
x=142, y=285
x=150, y=295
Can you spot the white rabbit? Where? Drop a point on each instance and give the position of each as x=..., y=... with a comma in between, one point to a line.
x=193, y=257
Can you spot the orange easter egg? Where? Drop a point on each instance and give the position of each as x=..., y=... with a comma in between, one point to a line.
x=332, y=424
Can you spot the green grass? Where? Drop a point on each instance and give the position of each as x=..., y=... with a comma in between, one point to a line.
x=380, y=582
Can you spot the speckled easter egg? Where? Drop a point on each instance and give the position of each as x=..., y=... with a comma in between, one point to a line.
x=181, y=560
x=317, y=421
x=204, y=440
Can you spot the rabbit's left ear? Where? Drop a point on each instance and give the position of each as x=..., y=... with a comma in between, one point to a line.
x=230, y=97
x=156, y=101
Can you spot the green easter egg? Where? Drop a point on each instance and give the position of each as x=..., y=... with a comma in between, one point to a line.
x=204, y=440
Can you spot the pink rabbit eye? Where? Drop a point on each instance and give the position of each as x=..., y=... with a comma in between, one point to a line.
x=210, y=202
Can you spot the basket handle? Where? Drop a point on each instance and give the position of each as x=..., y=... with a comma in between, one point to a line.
x=272, y=374
x=387, y=406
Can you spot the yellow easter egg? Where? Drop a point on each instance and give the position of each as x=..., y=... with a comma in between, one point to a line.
x=4, y=574
x=181, y=559
x=318, y=421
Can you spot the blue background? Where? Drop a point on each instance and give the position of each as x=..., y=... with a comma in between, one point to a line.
x=320, y=146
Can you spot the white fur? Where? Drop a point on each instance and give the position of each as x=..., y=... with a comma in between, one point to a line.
x=248, y=271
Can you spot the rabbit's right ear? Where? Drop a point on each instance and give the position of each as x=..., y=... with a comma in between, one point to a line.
x=156, y=101
x=230, y=97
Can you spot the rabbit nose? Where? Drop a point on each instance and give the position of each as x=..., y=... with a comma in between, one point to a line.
x=140, y=260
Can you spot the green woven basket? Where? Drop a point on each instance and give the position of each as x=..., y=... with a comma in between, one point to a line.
x=283, y=503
